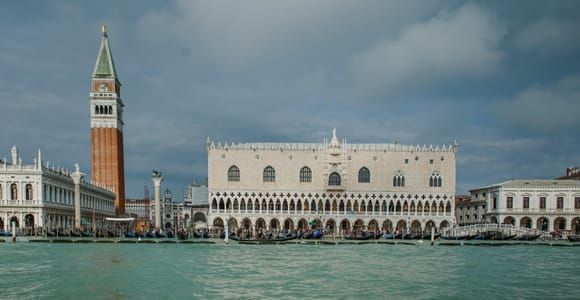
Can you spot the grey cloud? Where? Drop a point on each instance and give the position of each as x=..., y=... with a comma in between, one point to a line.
x=549, y=36
x=549, y=108
x=453, y=44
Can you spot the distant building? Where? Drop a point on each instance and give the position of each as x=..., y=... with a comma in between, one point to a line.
x=469, y=210
x=549, y=205
x=196, y=205
x=571, y=173
x=174, y=215
x=139, y=208
x=335, y=185
x=37, y=195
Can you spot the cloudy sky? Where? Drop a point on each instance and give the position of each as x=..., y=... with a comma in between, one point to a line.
x=500, y=77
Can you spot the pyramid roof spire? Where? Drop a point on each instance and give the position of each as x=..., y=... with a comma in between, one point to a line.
x=105, y=66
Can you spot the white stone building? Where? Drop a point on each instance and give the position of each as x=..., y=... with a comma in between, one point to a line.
x=470, y=211
x=38, y=195
x=138, y=207
x=549, y=205
x=336, y=185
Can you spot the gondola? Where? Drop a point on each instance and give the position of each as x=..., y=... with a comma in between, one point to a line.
x=427, y=236
x=150, y=234
x=159, y=235
x=389, y=236
x=202, y=235
x=5, y=233
x=51, y=233
x=574, y=238
x=273, y=239
x=129, y=234
x=75, y=234
x=86, y=234
x=170, y=234
x=454, y=237
x=182, y=235
x=364, y=236
x=111, y=234
x=312, y=235
x=527, y=237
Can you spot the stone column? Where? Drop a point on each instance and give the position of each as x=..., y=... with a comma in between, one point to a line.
x=77, y=176
x=157, y=179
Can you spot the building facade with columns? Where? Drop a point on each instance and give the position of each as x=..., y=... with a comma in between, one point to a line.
x=336, y=185
x=548, y=205
x=39, y=195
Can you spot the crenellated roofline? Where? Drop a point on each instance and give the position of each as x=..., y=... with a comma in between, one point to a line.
x=390, y=147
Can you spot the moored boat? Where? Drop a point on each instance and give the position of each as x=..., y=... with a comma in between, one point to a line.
x=527, y=237
x=574, y=238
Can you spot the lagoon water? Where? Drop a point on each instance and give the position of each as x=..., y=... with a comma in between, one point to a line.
x=201, y=271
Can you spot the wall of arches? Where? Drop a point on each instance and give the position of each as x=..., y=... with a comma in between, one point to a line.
x=330, y=224
x=341, y=204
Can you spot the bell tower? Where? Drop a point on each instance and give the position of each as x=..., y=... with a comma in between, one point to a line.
x=106, y=111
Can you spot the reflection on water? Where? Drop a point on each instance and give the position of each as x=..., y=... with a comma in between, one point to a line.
x=128, y=271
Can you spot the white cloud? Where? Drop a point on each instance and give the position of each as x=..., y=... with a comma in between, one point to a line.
x=549, y=35
x=450, y=45
x=544, y=108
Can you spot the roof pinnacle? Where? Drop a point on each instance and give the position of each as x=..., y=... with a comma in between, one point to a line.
x=104, y=30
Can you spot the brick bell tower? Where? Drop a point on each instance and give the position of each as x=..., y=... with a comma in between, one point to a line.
x=106, y=111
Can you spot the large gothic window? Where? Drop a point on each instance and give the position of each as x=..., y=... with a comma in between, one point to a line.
x=269, y=174
x=305, y=174
x=399, y=179
x=435, y=180
x=29, y=191
x=364, y=175
x=334, y=179
x=13, y=192
x=233, y=173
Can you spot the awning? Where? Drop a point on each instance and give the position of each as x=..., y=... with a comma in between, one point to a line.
x=120, y=219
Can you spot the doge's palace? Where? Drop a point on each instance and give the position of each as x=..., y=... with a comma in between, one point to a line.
x=336, y=185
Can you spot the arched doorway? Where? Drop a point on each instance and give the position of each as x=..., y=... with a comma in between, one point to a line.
x=218, y=223
x=387, y=226
x=542, y=224
x=302, y=224
x=14, y=219
x=509, y=220
x=29, y=221
x=416, y=226
x=232, y=224
x=168, y=225
x=526, y=222
x=260, y=224
x=274, y=224
x=199, y=217
x=430, y=224
x=401, y=225
x=373, y=225
x=560, y=224
x=345, y=225
x=316, y=224
x=443, y=225
x=288, y=224
x=575, y=225
x=359, y=225
x=1, y=222
x=246, y=224
x=493, y=220
x=330, y=225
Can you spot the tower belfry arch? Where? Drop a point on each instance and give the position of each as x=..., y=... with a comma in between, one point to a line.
x=106, y=114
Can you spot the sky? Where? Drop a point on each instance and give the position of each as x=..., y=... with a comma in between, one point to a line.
x=500, y=77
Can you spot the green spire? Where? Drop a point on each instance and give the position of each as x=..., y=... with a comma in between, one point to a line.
x=105, y=66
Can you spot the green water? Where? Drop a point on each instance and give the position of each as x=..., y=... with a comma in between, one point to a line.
x=198, y=271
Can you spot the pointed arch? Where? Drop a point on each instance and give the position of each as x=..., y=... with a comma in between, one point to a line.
x=305, y=174
x=269, y=174
x=233, y=174
x=364, y=175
